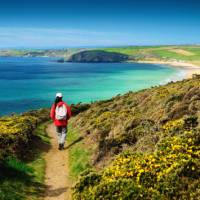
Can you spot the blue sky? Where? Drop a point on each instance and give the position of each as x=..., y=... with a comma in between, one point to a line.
x=59, y=23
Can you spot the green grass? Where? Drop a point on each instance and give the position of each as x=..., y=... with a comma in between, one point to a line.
x=131, y=50
x=125, y=50
x=38, y=164
x=20, y=180
x=42, y=134
x=79, y=155
x=166, y=54
x=162, y=52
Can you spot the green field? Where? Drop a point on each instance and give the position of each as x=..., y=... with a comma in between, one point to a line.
x=179, y=53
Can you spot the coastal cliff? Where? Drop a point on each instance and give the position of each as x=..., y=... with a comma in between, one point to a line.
x=97, y=56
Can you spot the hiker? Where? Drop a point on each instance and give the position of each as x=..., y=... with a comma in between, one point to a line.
x=60, y=113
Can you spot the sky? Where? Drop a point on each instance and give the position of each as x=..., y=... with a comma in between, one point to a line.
x=92, y=23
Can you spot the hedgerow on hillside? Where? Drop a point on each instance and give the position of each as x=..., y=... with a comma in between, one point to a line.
x=16, y=132
x=147, y=144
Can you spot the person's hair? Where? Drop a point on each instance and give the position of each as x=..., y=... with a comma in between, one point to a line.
x=57, y=100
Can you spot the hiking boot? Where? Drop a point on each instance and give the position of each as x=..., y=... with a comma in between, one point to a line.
x=60, y=147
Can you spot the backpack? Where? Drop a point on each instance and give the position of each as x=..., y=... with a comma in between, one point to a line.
x=61, y=112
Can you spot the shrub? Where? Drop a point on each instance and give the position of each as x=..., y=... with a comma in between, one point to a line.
x=169, y=172
x=16, y=132
x=78, y=108
x=159, y=123
x=42, y=115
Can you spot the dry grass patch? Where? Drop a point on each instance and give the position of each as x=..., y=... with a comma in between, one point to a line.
x=182, y=52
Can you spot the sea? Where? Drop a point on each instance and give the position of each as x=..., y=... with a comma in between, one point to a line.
x=28, y=83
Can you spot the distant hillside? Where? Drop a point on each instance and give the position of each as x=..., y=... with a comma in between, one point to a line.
x=96, y=56
x=187, y=53
x=36, y=53
x=183, y=53
x=155, y=134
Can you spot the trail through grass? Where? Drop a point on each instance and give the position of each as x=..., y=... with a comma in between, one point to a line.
x=79, y=153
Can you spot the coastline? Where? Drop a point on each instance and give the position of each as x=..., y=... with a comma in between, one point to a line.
x=181, y=71
x=188, y=68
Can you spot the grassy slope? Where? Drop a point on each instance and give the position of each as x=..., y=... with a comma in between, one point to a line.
x=79, y=154
x=159, y=127
x=160, y=52
x=113, y=122
x=24, y=180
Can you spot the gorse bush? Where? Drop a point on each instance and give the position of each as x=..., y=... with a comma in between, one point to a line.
x=147, y=144
x=42, y=115
x=171, y=172
x=16, y=132
x=134, y=119
x=78, y=108
x=24, y=179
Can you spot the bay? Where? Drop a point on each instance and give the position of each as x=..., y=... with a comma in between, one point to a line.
x=29, y=83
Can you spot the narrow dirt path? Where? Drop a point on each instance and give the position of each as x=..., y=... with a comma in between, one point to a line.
x=56, y=175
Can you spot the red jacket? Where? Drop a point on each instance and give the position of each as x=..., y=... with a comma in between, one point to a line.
x=60, y=122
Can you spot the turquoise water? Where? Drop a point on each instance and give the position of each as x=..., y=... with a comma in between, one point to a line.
x=29, y=83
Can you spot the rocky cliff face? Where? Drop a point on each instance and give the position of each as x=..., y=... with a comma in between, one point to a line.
x=97, y=56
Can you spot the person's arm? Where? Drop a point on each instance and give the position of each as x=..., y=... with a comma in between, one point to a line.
x=52, y=112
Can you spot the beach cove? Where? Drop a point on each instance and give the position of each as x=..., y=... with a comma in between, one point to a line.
x=188, y=68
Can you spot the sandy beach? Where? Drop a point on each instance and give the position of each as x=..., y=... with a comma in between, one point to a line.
x=189, y=68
